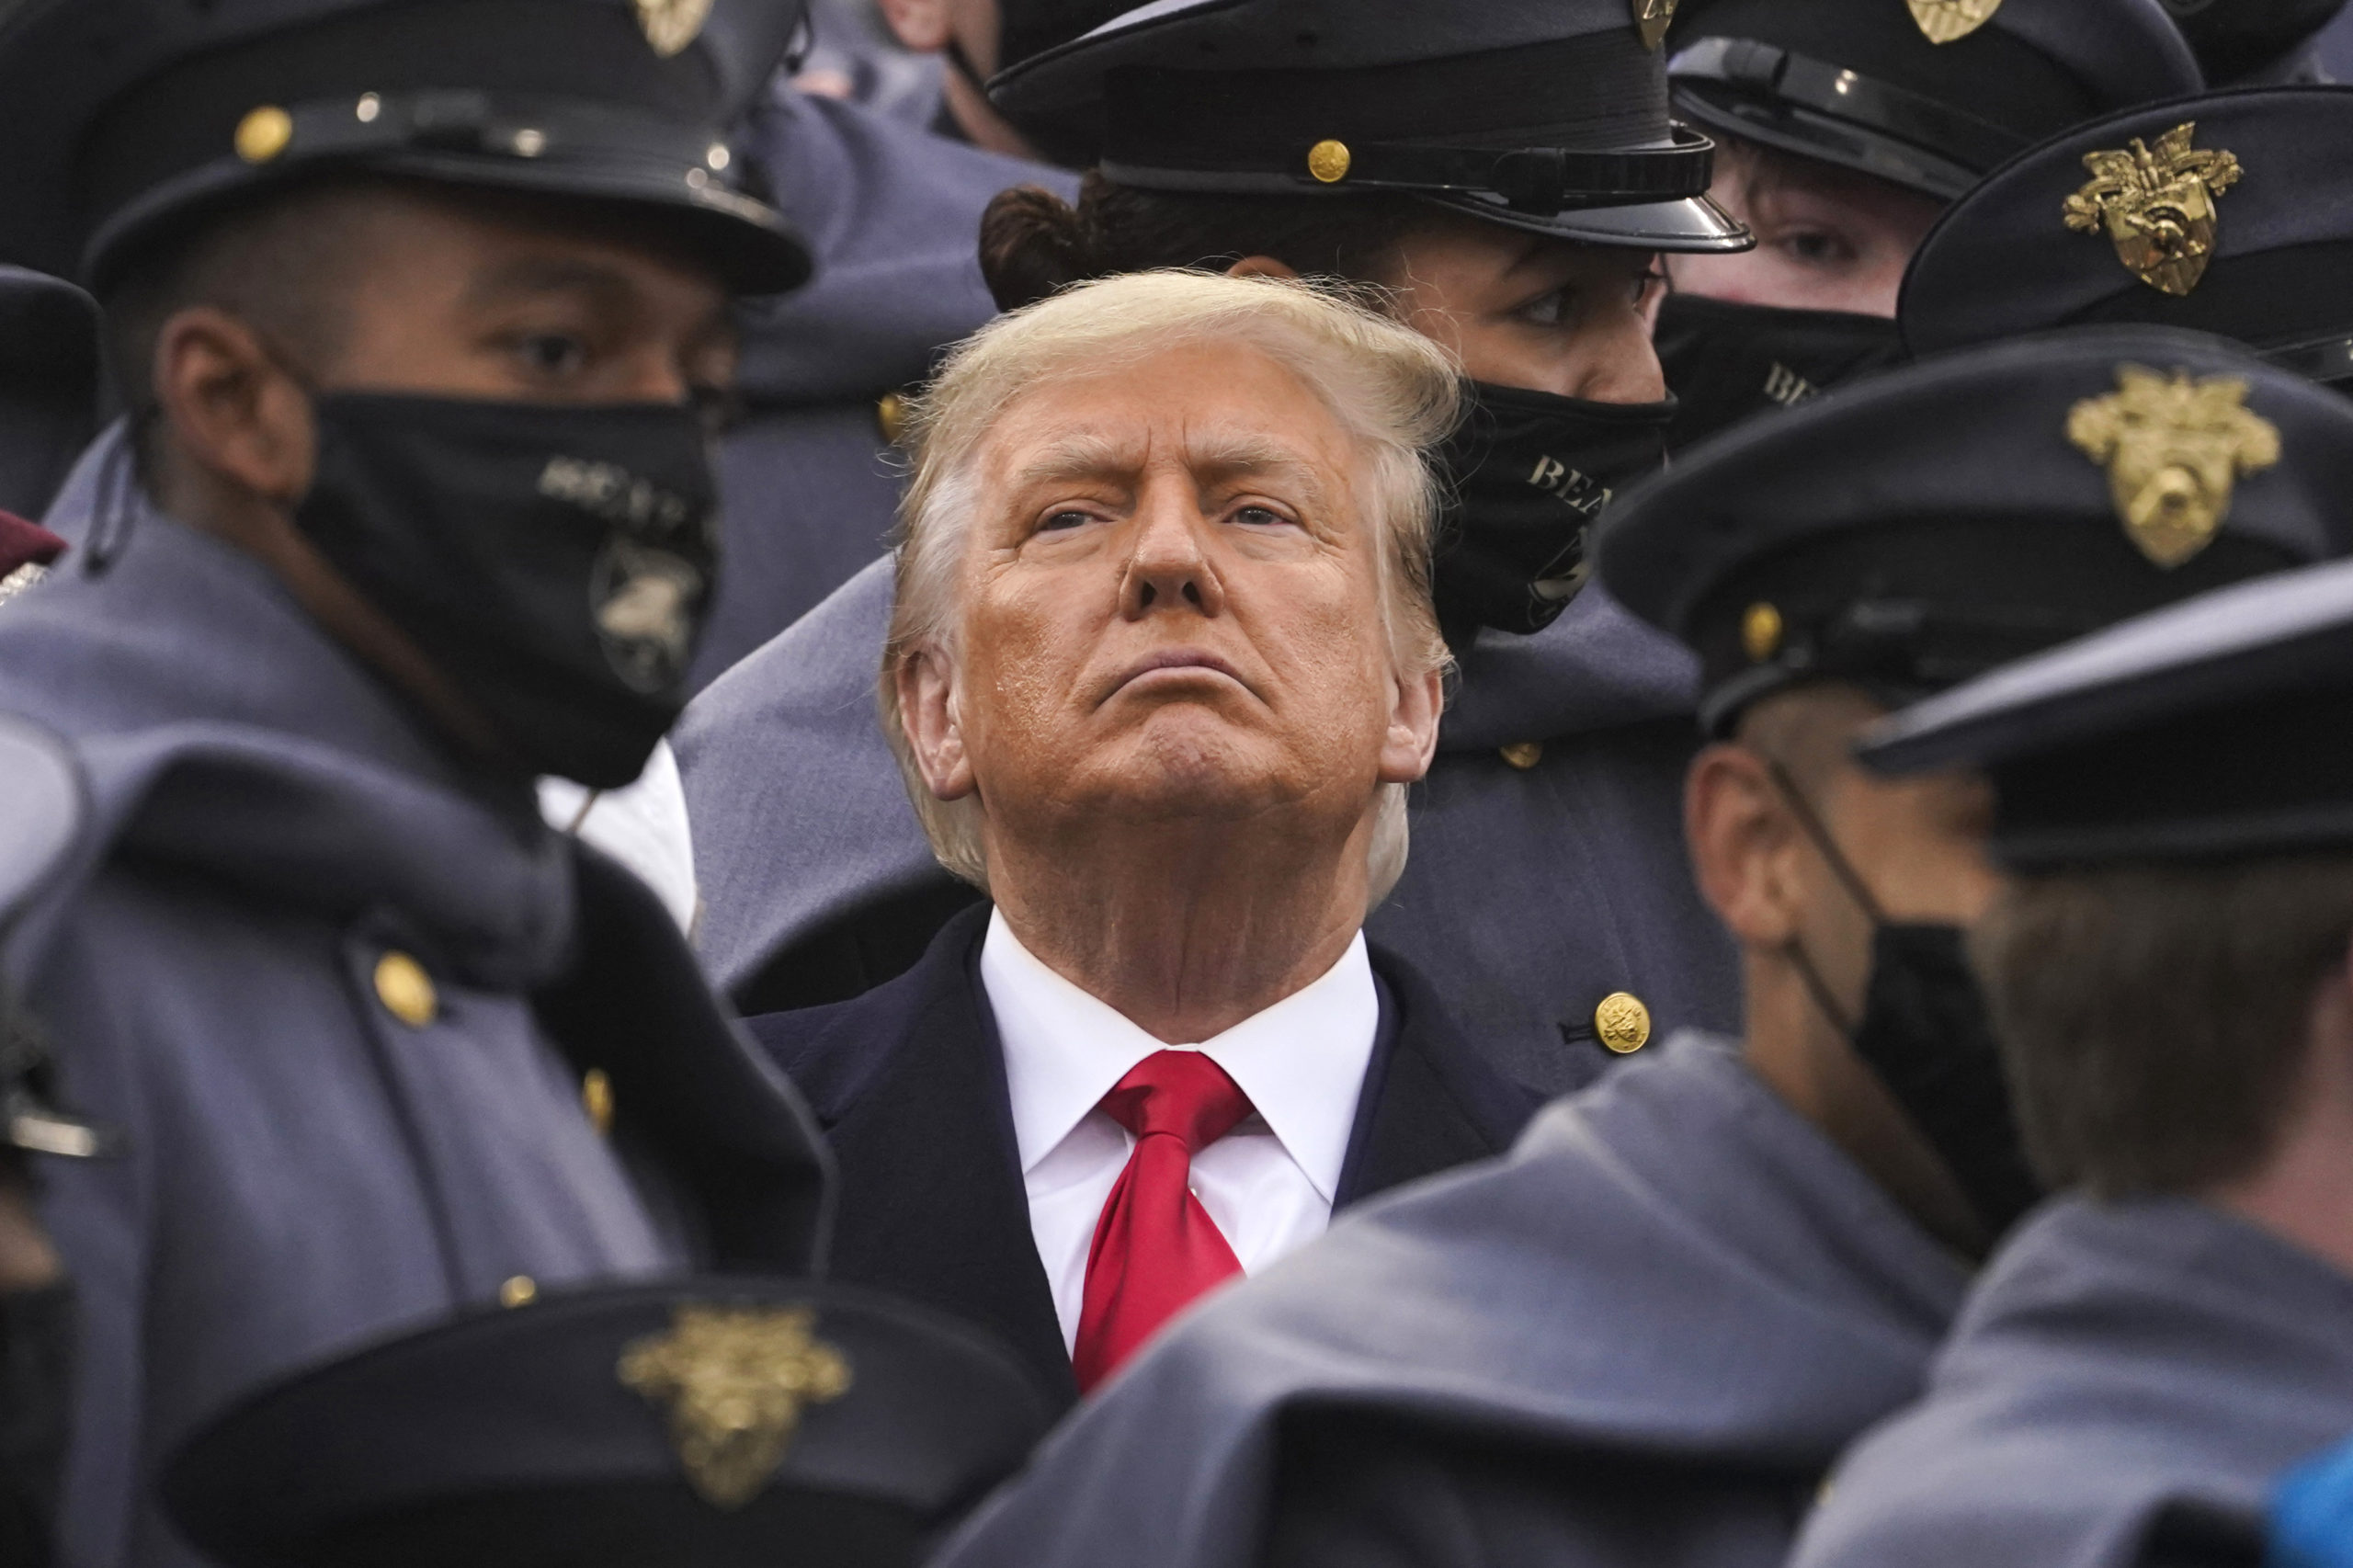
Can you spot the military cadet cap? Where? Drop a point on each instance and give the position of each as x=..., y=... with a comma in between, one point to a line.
x=2222, y=726
x=1927, y=93
x=48, y=388
x=125, y=119
x=2231, y=213
x=2244, y=41
x=691, y=1423
x=1544, y=115
x=1908, y=531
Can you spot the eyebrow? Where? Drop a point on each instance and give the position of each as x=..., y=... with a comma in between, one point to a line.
x=1210, y=455
x=542, y=275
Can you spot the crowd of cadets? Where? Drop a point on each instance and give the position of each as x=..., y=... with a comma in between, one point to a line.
x=1904, y=846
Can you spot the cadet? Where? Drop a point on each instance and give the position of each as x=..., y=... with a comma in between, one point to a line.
x=2171, y=976
x=412, y=303
x=1643, y=1338
x=1846, y=125
x=42, y=798
x=1479, y=153
x=2232, y=213
x=700, y=1424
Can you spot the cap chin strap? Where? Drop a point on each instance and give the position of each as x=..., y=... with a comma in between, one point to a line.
x=2325, y=359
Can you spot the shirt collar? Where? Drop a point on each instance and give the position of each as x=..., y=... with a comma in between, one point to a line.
x=1302, y=1062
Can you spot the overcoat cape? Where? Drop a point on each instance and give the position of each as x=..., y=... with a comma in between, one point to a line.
x=1639, y=1341
x=303, y=1167
x=2122, y=1366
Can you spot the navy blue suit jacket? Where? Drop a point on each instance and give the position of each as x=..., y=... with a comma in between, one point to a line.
x=908, y=1082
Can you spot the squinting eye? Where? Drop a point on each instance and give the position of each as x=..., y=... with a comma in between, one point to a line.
x=554, y=354
x=1063, y=521
x=1818, y=248
x=1260, y=517
x=1551, y=310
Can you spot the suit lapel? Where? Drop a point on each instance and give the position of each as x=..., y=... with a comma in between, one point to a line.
x=1430, y=1102
x=932, y=1204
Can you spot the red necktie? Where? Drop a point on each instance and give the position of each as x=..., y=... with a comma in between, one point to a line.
x=1156, y=1247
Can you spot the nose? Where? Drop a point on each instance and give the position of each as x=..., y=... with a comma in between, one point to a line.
x=1168, y=566
x=1619, y=365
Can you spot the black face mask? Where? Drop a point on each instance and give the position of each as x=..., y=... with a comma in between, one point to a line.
x=1925, y=1032
x=555, y=563
x=1726, y=362
x=1529, y=472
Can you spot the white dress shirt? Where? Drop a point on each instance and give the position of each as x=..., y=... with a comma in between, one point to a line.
x=1267, y=1184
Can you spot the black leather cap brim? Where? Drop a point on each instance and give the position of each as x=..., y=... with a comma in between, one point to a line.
x=750, y=246
x=1841, y=144
x=1694, y=225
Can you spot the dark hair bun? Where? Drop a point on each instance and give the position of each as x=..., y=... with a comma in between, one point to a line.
x=1033, y=243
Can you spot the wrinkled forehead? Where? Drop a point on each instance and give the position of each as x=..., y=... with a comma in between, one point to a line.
x=1215, y=411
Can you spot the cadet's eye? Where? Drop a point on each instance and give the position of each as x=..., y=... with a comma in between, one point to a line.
x=1818, y=247
x=552, y=354
x=1548, y=309
x=1064, y=521
x=1259, y=516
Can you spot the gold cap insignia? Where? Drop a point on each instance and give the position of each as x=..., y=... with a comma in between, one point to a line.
x=671, y=25
x=734, y=1381
x=2158, y=206
x=1946, y=20
x=1328, y=161
x=1651, y=19
x=1760, y=633
x=2174, y=447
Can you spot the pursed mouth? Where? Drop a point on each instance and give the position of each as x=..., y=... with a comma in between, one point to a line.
x=1179, y=659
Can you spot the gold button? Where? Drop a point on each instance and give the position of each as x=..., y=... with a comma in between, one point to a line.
x=264, y=133
x=406, y=990
x=1760, y=633
x=519, y=1291
x=1622, y=1023
x=891, y=417
x=1328, y=161
x=596, y=1096
x=1523, y=755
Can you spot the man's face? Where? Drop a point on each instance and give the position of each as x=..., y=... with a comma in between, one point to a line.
x=1918, y=843
x=1826, y=239
x=450, y=300
x=1172, y=607
x=1522, y=310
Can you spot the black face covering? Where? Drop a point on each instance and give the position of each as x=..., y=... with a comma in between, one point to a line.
x=555, y=563
x=1925, y=1032
x=1529, y=472
x=1726, y=363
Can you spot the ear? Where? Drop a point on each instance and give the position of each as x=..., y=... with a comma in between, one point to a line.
x=232, y=409
x=926, y=682
x=1746, y=850
x=1262, y=266
x=923, y=26
x=1412, y=741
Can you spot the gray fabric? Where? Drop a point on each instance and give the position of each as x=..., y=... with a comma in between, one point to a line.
x=892, y=214
x=2114, y=1360
x=1672, y=1270
x=1530, y=894
x=303, y=1170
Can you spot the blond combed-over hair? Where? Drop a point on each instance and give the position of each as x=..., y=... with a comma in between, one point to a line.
x=1392, y=390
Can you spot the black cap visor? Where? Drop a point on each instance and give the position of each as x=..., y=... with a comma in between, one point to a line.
x=574, y=152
